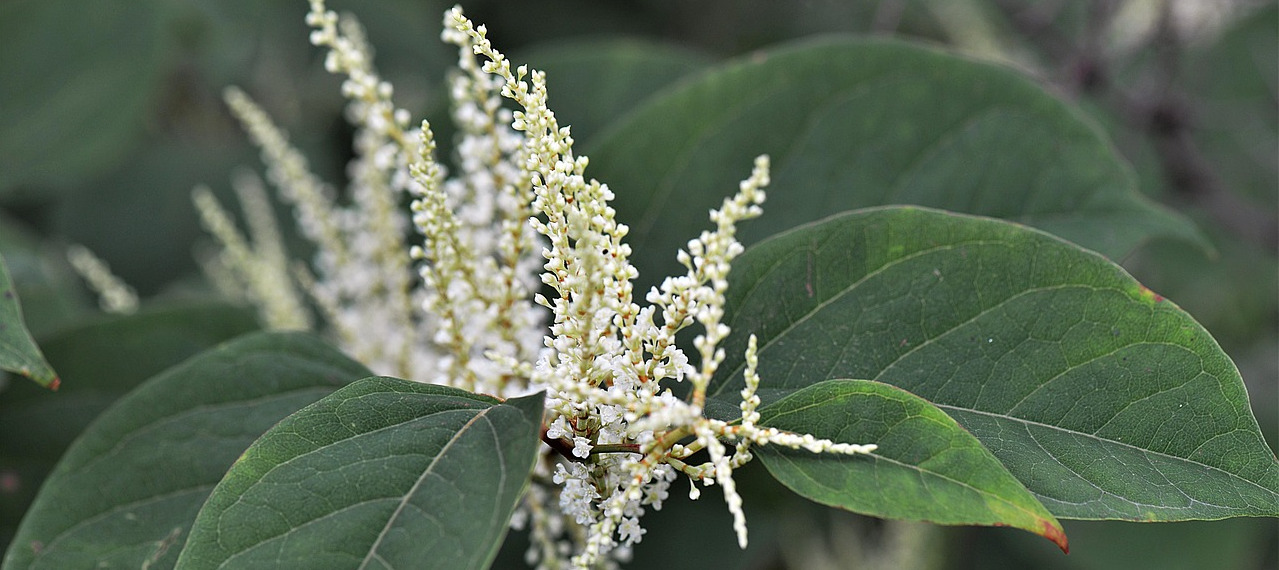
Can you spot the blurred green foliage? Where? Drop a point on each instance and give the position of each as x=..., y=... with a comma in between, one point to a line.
x=110, y=112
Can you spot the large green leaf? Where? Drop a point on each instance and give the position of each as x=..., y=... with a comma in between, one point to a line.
x=18, y=351
x=859, y=123
x=927, y=467
x=100, y=361
x=384, y=473
x=129, y=488
x=1104, y=399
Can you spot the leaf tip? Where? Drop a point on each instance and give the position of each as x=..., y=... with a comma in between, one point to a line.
x=55, y=383
x=1053, y=531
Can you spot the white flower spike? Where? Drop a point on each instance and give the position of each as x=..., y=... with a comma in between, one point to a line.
x=520, y=213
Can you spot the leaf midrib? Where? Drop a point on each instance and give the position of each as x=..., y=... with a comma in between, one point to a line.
x=404, y=500
x=982, y=492
x=951, y=424
x=926, y=251
x=132, y=434
x=264, y=540
x=1111, y=442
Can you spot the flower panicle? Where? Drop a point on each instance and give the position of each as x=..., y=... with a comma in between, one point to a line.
x=519, y=213
x=469, y=316
x=288, y=171
x=622, y=436
x=256, y=266
x=376, y=282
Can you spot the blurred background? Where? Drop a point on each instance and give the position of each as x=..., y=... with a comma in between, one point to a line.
x=111, y=112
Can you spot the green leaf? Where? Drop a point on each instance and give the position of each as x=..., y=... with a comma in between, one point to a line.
x=129, y=488
x=1106, y=400
x=100, y=361
x=18, y=351
x=596, y=81
x=859, y=123
x=927, y=467
x=384, y=473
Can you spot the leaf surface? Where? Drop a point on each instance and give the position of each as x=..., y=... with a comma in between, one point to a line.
x=126, y=492
x=859, y=123
x=384, y=473
x=1106, y=400
x=927, y=467
x=18, y=351
x=100, y=361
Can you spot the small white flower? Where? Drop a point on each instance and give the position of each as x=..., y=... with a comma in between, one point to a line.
x=630, y=531
x=581, y=447
x=557, y=429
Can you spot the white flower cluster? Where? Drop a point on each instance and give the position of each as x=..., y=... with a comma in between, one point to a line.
x=520, y=207
x=622, y=432
x=477, y=260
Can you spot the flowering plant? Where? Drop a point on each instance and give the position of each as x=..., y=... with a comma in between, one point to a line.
x=889, y=361
x=615, y=435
